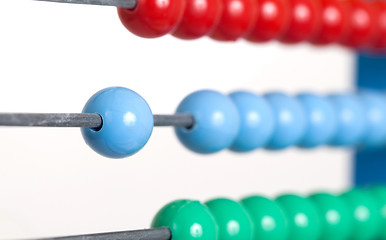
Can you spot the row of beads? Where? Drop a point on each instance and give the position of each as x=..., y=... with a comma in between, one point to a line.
x=358, y=214
x=355, y=23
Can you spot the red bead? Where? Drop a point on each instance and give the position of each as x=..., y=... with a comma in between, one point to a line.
x=272, y=20
x=362, y=23
x=199, y=19
x=304, y=21
x=380, y=39
x=334, y=22
x=237, y=18
x=152, y=18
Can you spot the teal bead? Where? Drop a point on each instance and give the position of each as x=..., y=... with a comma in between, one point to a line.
x=364, y=214
x=232, y=219
x=379, y=192
x=187, y=220
x=269, y=221
x=304, y=222
x=334, y=216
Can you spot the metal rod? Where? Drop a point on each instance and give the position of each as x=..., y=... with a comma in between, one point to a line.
x=115, y=3
x=147, y=234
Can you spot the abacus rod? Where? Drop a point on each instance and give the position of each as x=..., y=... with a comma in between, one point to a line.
x=115, y=3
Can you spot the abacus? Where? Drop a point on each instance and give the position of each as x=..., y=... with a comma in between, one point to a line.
x=117, y=122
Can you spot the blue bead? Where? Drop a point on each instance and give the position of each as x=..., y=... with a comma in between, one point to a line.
x=216, y=122
x=351, y=119
x=375, y=114
x=127, y=122
x=290, y=122
x=256, y=121
x=321, y=120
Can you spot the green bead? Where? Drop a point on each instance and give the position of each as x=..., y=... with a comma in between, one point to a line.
x=380, y=196
x=267, y=217
x=232, y=219
x=363, y=211
x=303, y=219
x=334, y=216
x=187, y=220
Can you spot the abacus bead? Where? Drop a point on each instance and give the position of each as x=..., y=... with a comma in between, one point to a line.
x=152, y=18
x=271, y=21
x=380, y=37
x=216, y=122
x=236, y=20
x=363, y=211
x=304, y=222
x=232, y=219
x=334, y=215
x=127, y=122
x=320, y=120
x=289, y=117
x=379, y=192
x=200, y=18
x=187, y=220
x=351, y=121
x=269, y=221
x=256, y=121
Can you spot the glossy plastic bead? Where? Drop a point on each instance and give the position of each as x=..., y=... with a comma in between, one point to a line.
x=350, y=114
x=236, y=20
x=364, y=214
x=127, y=122
x=271, y=21
x=152, y=18
x=256, y=121
x=379, y=193
x=216, y=122
x=379, y=41
x=304, y=21
x=187, y=220
x=290, y=121
x=269, y=221
x=232, y=219
x=334, y=216
x=304, y=222
x=200, y=18
x=321, y=121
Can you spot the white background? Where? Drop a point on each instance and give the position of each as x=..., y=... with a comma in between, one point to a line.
x=53, y=57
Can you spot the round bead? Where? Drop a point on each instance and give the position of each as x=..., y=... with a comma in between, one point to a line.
x=351, y=121
x=320, y=120
x=152, y=18
x=237, y=18
x=380, y=39
x=187, y=220
x=304, y=21
x=304, y=222
x=271, y=21
x=256, y=121
x=290, y=122
x=364, y=214
x=200, y=18
x=232, y=219
x=216, y=122
x=379, y=192
x=269, y=221
x=127, y=122
x=375, y=116
x=334, y=216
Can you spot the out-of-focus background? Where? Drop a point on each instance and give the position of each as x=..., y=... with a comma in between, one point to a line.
x=53, y=57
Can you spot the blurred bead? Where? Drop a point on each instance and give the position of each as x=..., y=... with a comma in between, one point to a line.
x=216, y=122
x=187, y=220
x=335, y=217
x=269, y=221
x=200, y=18
x=127, y=122
x=290, y=121
x=379, y=193
x=321, y=121
x=152, y=18
x=364, y=214
x=237, y=18
x=379, y=41
x=304, y=222
x=232, y=219
x=272, y=20
x=350, y=114
x=256, y=121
